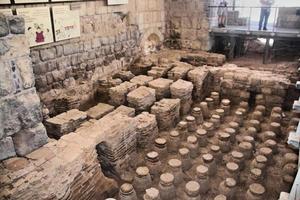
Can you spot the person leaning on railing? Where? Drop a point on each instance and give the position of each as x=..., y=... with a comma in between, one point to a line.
x=265, y=13
x=222, y=13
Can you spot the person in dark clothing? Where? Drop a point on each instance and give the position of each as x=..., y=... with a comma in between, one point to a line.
x=265, y=13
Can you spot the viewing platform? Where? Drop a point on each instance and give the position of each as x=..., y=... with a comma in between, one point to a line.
x=283, y=23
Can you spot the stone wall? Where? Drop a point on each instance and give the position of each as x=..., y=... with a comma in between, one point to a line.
x=21, y=130
x=288, y=18
x=256, y=87
x=67, y=168
x=68, y=72
x=187, y=24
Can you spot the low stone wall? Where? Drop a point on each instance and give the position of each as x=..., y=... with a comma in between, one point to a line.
x=21, y=130
x=257, y=87
x=67, y=168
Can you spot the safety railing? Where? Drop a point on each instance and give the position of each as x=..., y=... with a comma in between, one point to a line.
x=278, y=19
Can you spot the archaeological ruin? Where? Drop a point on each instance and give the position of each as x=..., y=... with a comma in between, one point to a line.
x=146, y=100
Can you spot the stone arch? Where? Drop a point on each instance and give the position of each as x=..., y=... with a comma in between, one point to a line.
x=151, y=40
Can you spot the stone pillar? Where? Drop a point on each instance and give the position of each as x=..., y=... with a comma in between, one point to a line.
x=21, y=130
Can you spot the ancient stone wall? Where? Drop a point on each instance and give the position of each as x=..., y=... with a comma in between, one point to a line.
x=67, y=168
x=67, y=72
x=187, y=24
x=256, y=87
x=21, y=130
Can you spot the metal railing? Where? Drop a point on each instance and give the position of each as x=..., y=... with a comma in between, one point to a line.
x=281, y=19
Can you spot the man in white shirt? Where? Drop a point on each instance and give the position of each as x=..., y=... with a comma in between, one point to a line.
x=265, y=13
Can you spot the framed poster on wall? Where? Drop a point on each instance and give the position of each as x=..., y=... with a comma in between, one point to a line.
x=116, y=2
x=38, y=26
x=66, y=23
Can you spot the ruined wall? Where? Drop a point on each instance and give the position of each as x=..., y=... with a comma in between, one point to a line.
x=67, y=168
x=21, y=130
x=256, y=87
x=111, y=36
x=187, y=24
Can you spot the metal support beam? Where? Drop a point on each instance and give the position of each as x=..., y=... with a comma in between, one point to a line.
x=267, y=51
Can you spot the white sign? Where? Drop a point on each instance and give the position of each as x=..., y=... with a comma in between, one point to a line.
x=38, y=26
x=30, y=1
x=4, y=1
x=116, y=2
x=66, y=23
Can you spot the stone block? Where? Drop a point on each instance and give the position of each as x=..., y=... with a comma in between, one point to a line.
x=160, y=71
x=167, y=112
x=26, y=72
x=201, y=78
x=59, y=75
x=65, y=122
x=20, y=111
x=7, y=149
x=183, y=90
x=119, y=142
x=141, y=98
x=6, y=79
x=99, y=110
x=180, y=71
x=4, y=29
x=48, y=54
x=16, y=24
x=15, y=42
x=4, y=48
x=70, y=48
x=147, y=129
x=162, y=87
x=118, y=93
x=141, y=80
x=30, y=139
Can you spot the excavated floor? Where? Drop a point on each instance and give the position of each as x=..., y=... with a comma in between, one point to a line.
x=271, y=180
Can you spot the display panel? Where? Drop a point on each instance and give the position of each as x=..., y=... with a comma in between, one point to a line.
x=66, y=23
x=116, y=2
x=30, y=1
x=38, y=26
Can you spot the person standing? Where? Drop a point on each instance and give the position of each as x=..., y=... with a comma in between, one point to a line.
x=265, y=13
x=222, y=13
